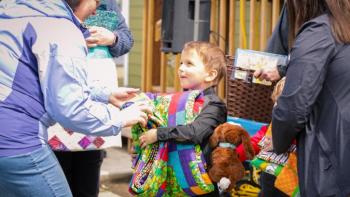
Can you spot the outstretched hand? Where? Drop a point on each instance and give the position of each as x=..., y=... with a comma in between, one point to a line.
x=121, y=95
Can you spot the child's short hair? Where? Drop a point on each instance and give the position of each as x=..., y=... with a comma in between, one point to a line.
x=277, y=91
x=211, y=55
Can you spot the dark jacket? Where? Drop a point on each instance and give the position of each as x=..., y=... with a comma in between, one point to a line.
x=278, y=43
x=314, y=108
x=214, y=113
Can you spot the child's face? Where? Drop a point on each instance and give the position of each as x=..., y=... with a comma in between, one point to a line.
x=192, y=72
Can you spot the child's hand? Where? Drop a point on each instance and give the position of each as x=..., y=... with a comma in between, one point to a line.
x=149, y=137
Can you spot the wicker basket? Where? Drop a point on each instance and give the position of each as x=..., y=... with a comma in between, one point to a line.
x=247, y=100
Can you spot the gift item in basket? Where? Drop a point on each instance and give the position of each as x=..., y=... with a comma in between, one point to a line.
x=247, y=100
x=248, y=61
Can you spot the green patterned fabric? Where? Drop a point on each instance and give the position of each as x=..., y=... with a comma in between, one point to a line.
x=268, y=167
x=152, y=155
x=103, y=18
x=108, y=20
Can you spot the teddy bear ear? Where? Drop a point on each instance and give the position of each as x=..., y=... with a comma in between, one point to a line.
x=214, y=139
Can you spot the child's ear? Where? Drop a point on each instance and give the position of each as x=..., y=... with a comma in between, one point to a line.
x=211, y=75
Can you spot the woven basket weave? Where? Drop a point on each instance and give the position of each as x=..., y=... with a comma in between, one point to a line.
x=247, y=100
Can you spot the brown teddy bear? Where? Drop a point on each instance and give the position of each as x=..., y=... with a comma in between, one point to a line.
x=226, y=168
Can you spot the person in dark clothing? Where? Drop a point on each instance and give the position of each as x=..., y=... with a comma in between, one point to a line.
x=278, y=43
x=203, y=66
x=268, y=177
x=314, y=107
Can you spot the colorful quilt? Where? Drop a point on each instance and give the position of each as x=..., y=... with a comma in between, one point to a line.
x=170, y=168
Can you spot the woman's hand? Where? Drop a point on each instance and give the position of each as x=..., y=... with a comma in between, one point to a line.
x=135, y=113
x=100, y=37
x=268, y=74
x=122, y=95
x=149, y=137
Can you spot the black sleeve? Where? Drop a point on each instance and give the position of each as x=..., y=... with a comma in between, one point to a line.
x=200, y=129
x=313, y=50
x=278, y=42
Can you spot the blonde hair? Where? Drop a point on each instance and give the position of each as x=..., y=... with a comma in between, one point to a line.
x=277, y=91
x=211, y=55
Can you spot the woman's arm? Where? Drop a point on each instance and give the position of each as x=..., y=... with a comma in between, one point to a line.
x=67, y=96
x=313, y=49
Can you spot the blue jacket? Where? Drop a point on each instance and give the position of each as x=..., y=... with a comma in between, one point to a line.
x=42, y=77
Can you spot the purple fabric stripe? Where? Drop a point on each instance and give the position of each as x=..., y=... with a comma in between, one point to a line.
x=182, y=104
x=144, y=179
x=189, y=191
x=141, y=164
x=160, y=193
x=201, y=168
x=152, y=96
x=201, y=165
x=185, y=159
x=171, y=120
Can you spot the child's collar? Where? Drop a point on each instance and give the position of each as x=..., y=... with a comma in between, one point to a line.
x=209, y=90
x=206, y=91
